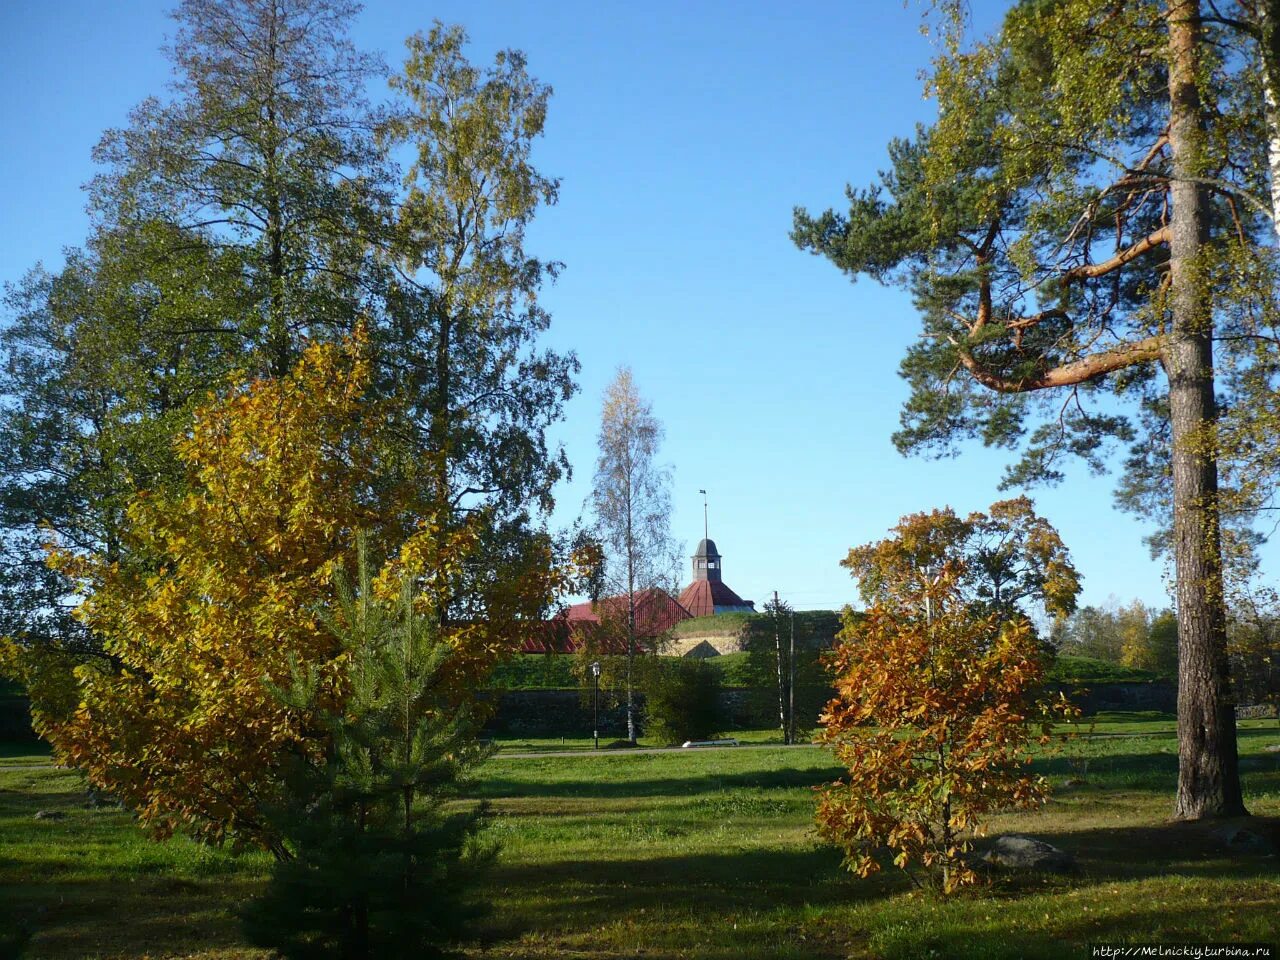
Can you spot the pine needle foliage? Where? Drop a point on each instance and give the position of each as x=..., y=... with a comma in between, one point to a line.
x=378, y=865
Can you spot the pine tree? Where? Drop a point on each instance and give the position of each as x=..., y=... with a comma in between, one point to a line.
x=375, y=866
x=1085, y=223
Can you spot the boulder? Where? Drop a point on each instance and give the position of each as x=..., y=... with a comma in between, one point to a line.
x=1014, y=852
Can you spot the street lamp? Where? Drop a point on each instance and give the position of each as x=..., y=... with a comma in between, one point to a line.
x=595, y=701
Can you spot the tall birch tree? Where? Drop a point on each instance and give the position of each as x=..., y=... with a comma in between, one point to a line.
x=631, y=501
x=463, y=316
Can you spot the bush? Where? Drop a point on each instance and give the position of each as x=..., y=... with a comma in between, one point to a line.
x=682, y=700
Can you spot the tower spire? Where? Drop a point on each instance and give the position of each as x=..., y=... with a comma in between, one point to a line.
x=705, y=535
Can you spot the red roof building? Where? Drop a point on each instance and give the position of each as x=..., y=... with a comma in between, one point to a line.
x=709, y=594
x=656, y=613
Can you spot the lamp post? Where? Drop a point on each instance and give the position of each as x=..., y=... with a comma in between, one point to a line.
x=595, y=701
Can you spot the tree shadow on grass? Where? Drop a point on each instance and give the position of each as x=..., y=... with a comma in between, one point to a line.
x=1152, y=771
x=1068, y=930
x=126, y=916
x=1188, y=849
x=688, y=892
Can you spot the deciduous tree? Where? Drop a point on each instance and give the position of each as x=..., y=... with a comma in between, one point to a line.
x=463, y=314
x=232, y=220
x=933, y=711
x=97, y=379
x=631, y=502
x=218, y=593
x=255, y=211
x=1012, y=559
x=266, y=147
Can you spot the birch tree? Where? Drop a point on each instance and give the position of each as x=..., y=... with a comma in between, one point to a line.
x=631, y=501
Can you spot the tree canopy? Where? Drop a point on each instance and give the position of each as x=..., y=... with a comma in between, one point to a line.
x=1086, y=215
x=258, y=208
x=935, y=705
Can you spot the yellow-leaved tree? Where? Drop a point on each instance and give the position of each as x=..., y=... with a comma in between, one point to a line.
x=937, y=686
x=220, y=599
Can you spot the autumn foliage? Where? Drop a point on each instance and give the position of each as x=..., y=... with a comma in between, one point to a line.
x=935, y=704
x=224, y=586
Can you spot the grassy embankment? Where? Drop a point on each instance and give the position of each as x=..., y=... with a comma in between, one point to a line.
x=543, y=672
x=706, y=855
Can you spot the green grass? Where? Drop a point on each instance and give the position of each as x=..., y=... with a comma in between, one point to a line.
x=733, y=669
x=509, y=745
x=1068, y=669
x=721, y=625
x=686, y=854
x=22, y=753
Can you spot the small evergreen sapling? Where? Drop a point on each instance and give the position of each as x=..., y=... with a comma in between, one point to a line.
x=376, y=866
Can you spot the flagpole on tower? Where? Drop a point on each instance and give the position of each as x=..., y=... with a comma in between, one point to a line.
x=704, y=514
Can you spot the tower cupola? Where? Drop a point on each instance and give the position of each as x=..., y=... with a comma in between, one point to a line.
x=706, y=562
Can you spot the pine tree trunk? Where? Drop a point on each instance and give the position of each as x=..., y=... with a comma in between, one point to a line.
x=1208, y=773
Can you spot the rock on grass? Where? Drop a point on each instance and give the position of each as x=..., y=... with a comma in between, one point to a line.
x=1015, y=852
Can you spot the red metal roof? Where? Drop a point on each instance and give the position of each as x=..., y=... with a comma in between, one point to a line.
x=702, y=597
x=656, y=613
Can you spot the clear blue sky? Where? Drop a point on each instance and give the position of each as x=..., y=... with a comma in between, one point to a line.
x=684, y=135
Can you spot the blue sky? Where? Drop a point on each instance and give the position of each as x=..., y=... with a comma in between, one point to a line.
x=684, y=135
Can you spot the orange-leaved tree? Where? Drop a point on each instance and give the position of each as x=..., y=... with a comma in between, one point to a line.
x=220, y=597
x=937, y=685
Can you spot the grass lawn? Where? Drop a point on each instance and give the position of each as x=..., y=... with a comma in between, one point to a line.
x=26, y=752
x=688, y=854
x=1147, y=724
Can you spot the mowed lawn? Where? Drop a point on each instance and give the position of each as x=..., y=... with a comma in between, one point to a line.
x=693, y=854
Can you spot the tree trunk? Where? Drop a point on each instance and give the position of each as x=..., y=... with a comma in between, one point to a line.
x=279, y=348
x=1269, y=44
x=631, y=660
x=791, y=683
x=777, y=644
x=631, y=608
x=1208, y=774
